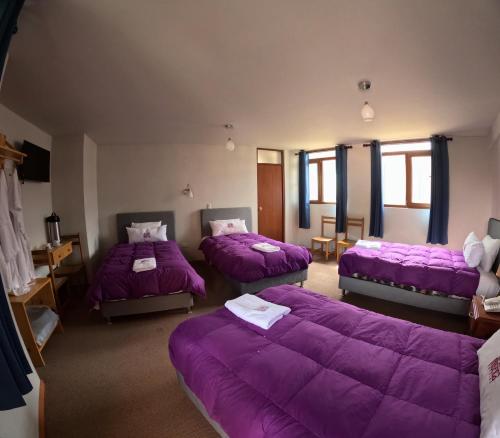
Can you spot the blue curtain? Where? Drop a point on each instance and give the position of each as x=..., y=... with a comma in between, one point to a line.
x=376, y=201
x=9, y=11
x=440, y=191
x=14, y=366
x=341, y=207
x=304, y=206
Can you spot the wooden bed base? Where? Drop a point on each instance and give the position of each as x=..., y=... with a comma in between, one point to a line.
x=181, y=300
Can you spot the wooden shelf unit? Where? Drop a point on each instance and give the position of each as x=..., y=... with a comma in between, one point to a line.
x=41, y=293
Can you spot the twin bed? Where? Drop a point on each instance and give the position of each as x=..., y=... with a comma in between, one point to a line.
x=118, y=290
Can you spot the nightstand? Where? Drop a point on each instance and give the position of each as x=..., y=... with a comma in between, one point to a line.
x=482, y=324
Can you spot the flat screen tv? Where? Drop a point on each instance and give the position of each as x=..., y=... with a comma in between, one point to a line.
x=36, y=166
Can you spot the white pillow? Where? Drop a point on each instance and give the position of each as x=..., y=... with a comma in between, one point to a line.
x=146, y=224
x=228, y=226
x=488, y=284
x=489, y=386
x=136, y=235
x=473, y=250
x=491, y=247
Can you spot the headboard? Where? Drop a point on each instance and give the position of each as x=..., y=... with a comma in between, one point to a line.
x=213, y=214
x=494, y=231
x=124, y=220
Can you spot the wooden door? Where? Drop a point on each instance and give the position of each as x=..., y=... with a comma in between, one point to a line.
x=270, y=200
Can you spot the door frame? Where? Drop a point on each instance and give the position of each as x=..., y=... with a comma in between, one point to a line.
x=282, y=152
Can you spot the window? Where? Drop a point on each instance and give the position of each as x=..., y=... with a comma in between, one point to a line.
x=406, y=175
x=322, y=177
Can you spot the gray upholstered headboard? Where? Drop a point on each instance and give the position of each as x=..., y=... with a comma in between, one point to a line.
x=124, y=220
x=213, y=214
x=494, y=231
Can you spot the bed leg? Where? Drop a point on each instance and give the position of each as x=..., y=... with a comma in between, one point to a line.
x=108, y=320
x=189, y=310
x=301, y=284
x=344, y=292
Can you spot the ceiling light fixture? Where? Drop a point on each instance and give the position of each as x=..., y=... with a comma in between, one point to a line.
x=230, y=145
x=367, y=111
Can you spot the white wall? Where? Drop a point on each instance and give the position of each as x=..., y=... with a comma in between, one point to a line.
x=152, y=177
x=495, y=165
x=37, y=197
x=74, y=189
x=471, y=193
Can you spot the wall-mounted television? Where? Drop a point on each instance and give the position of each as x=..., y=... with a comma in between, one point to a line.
x=36, y=165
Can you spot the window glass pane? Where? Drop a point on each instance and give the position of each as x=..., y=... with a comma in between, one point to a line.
x=322, y=154
x=329, y=181
x=421, y=180
x=394, y=179
x=268, y=157
x=404, y=147
x=313, y=181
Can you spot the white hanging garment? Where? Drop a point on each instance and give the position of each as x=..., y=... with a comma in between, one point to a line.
x=24, y=257
x=9, y=245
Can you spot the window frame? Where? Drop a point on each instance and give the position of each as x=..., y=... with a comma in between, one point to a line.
x=409, y=180
x=319, y=163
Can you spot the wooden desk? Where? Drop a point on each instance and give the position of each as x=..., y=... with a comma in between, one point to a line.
x=482, y=324
x=41, y=293
x=53, y=258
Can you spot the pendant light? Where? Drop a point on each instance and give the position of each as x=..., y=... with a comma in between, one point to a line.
x=367, y=111
x=230, y=145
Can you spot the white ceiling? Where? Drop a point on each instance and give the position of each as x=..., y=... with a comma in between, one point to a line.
x=284, y=72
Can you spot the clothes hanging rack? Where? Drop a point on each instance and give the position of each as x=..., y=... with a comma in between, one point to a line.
x=8, y=152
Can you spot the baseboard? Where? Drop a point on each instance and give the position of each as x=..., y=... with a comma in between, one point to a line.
x=41, y=410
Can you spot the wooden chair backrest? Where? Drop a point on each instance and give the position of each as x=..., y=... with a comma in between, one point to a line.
x=327, y=220
x=355, y=222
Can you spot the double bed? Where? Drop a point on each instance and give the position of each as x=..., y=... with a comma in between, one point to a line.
x=248, y=270
x=118, y=290
x=328, y=369
x=434, y=278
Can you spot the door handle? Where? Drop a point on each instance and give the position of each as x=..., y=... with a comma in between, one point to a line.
x=260, y=208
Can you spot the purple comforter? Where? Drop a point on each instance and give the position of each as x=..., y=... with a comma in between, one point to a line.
x=425, y=268
x=115, y=280
x=233, y=256
x=329, y=369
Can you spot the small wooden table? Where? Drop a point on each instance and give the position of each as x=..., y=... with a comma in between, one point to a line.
x=482, y=324
x=41, y=293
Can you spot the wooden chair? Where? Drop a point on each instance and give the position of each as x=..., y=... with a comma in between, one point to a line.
x=324, y=240
x=75, y=269
x=348, y=241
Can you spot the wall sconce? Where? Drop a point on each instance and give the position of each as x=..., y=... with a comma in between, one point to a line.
x=188, y=192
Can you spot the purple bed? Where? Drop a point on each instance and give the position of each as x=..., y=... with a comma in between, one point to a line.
x=421, y=267
x=233, y=256
x=115, y=279
x=328, y=369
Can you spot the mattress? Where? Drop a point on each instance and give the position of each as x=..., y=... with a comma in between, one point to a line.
x=233, y=256
x=329, y=369
x=115, y=279
x=421, y=267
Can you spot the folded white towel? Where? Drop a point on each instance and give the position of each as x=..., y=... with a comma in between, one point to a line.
x=141, y=265
x=257, y=311
x=369, y=244
x=266, y=247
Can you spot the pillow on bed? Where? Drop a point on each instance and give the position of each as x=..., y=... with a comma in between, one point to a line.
x=136, y=235
x=228, y=226
x=473, y=250
x=491, y=247
x=146, y=224
x=489, y=386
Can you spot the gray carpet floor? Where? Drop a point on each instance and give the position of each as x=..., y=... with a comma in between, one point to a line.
x=117, y=380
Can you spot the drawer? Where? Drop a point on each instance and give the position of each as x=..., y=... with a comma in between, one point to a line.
x=62, y=252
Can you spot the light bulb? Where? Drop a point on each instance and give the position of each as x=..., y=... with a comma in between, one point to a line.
x=367, y=113
x=230, y=146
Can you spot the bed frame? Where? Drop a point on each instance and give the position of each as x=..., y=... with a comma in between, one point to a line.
x=181, y=300
x=396, y=294
x=245, y=213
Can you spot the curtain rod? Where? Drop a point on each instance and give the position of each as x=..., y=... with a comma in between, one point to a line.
x=348, y=146
x=414, y=140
